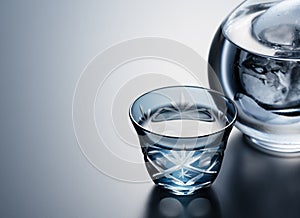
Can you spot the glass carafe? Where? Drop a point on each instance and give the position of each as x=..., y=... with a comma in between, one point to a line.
x=256, y=56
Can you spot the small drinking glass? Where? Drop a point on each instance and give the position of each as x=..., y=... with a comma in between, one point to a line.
x=183, y=132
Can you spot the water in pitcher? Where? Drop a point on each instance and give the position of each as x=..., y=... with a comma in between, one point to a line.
x=259, y=67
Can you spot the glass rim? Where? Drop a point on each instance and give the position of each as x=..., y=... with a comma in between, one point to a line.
x=186, y=137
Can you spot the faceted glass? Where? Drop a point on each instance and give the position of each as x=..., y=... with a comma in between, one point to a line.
x=183, y=132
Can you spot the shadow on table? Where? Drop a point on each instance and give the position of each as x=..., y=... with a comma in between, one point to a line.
x=163, y=204
x=256, y=184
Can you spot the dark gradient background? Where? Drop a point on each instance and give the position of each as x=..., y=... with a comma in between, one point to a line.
x=44, y=47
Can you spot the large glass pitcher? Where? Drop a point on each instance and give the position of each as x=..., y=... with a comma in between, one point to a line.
x=256, y=56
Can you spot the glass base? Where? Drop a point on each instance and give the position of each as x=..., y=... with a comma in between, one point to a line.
x=271, y=147
x=184, y=190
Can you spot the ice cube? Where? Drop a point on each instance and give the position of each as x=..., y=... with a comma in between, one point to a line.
x=269, y=85
x=275, y=86
x=279, y=26
x=294, y=93
x=283, y=36
x=263, y=89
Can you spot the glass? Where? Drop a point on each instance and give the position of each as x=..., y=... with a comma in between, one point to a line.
x=256, y=56
x=183, y=132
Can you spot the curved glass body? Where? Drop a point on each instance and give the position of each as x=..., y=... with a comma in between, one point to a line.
x=183, y=132
x=256, y=55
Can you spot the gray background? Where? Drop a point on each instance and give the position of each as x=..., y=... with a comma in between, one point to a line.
x=44, y=47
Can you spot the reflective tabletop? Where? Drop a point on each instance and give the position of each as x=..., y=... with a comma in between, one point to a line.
x=44, y=47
